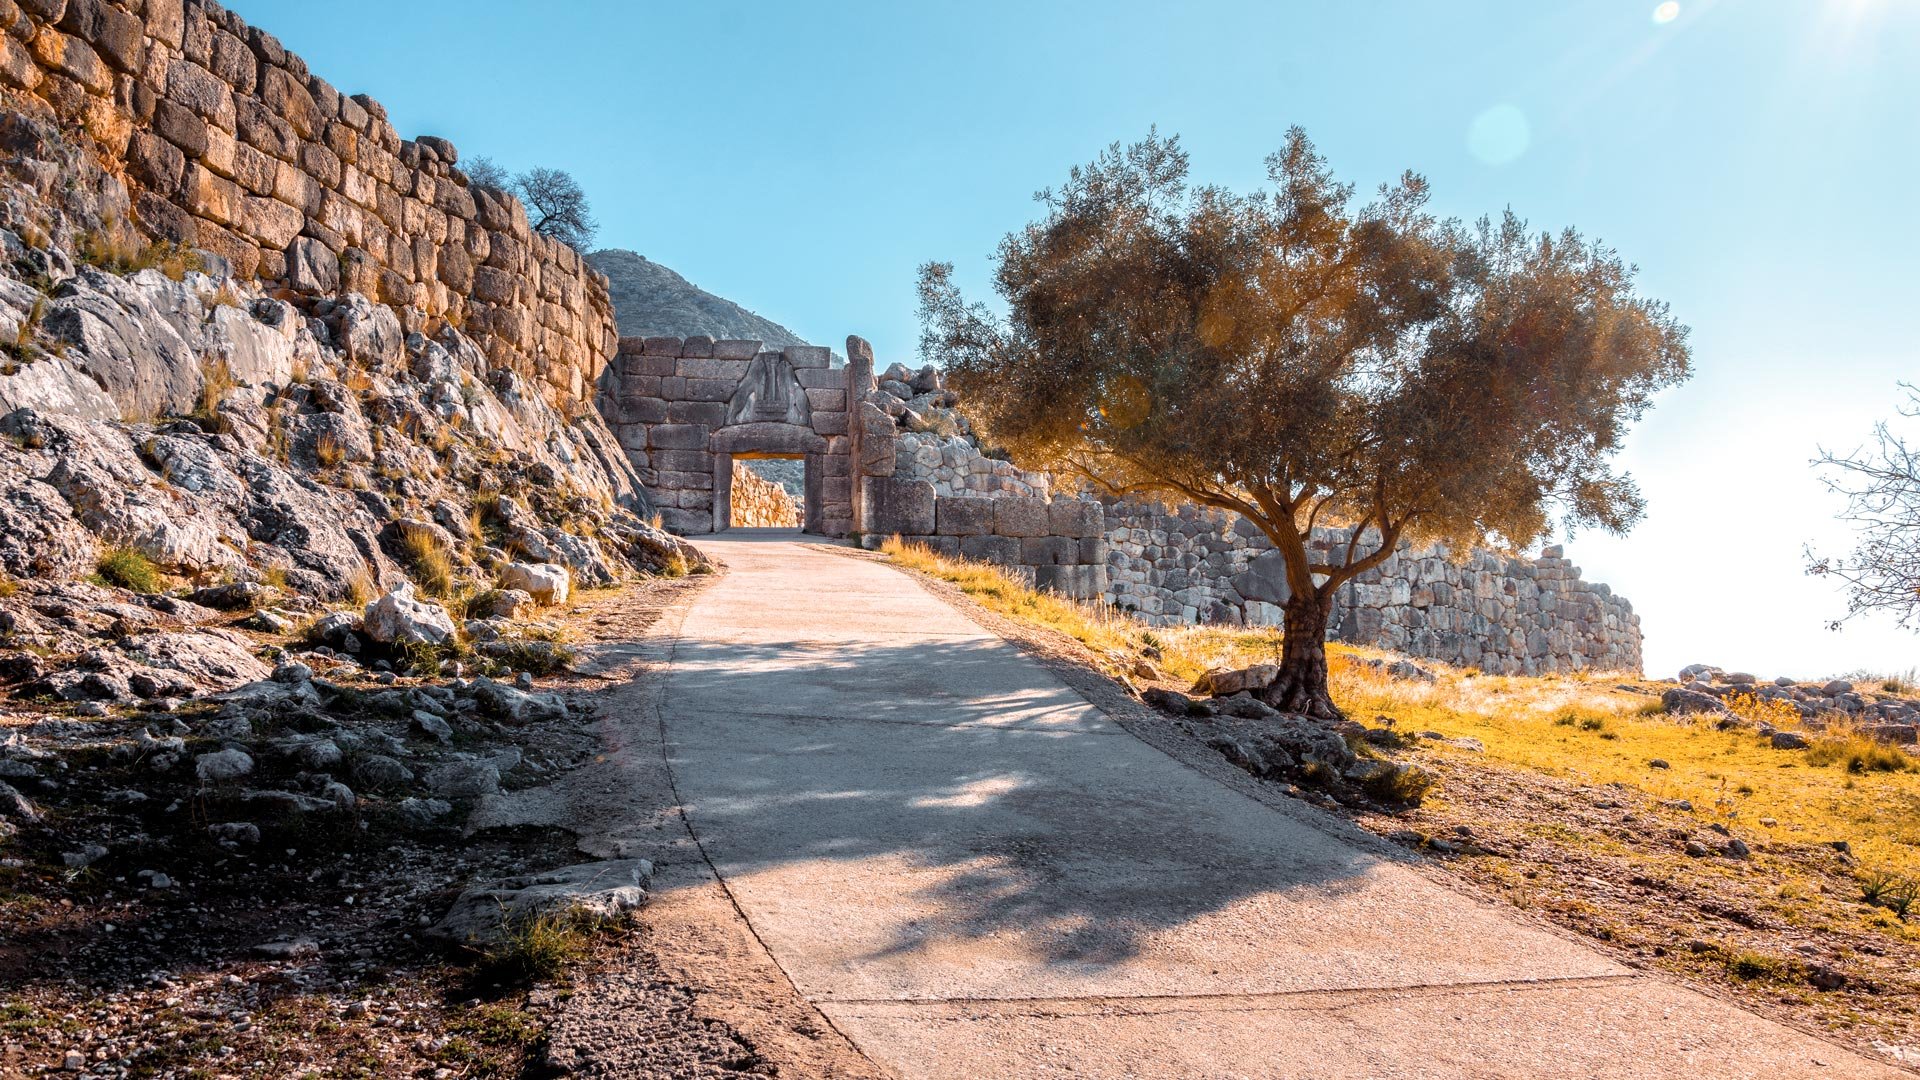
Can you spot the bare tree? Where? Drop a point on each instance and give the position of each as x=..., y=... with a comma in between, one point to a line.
x=1882, y=487
x=484, y=172
x=557, y=206
x=1302, y=363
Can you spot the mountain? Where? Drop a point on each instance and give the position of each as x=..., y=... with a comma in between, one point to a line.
x=650, y=299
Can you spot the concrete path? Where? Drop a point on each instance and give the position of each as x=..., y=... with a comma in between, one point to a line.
x=974, y=873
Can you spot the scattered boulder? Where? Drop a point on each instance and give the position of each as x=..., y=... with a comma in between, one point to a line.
x=1789, y=740
x=380, y=771
x=464, y=779
x=547, y=583
x=223, y=766
x=1227, y=682
x=485, y=914
x=399, y=618
x=1684, y=702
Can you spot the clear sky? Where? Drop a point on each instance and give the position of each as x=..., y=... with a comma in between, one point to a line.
x=1756, y=158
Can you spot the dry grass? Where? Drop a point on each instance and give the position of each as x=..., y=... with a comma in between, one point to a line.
x=128, y=569
x=327, y=450
x=429, y=564
x=216, y=380
x=1184, y=653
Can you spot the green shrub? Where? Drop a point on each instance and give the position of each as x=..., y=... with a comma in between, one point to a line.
x=128, y=569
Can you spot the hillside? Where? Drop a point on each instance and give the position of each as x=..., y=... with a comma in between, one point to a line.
x=650, y=299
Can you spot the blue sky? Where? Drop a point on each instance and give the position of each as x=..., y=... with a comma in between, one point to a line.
x=1756, y=158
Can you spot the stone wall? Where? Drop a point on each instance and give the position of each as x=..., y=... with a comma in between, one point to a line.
x=759, y=503
x=229, y=144
x=1056, y=545
x=1502, y=615
x=955, y=466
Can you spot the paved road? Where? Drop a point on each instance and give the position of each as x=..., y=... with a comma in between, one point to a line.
x=972, y=872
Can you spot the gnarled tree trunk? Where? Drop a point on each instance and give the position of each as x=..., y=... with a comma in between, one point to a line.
x=1301, y=686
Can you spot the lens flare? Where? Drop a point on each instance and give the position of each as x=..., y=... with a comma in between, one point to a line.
x=1499, y=135
x=1666, y=13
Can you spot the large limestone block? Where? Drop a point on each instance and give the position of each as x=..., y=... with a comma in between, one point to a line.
x=1021, y=517
x=963, y=515
x=1075, y=517
x=901, y=507
x=999, y=550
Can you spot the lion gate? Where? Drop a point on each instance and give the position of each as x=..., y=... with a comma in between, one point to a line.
x=685, y=408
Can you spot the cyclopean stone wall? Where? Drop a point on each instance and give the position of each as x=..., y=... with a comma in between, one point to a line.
x=955, y=466
x=231, y=145
x=759, y=503
x=1503, y=615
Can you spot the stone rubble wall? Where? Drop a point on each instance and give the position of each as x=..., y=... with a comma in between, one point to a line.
x=1503, y=615
x=759, y=503
x=231, y=145
x=955, y=466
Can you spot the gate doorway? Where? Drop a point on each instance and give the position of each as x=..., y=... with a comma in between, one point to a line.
x=765, y=490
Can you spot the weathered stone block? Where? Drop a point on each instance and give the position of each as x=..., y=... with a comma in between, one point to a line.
x=710, y=389
x=1048, y=550
x=1093, y=550
x=827, y=400
x=736, y=349
x=673, y=479
x=940, y=545
x=678, y=437
x=683, y=460
x=903, y=507
x=823, y=379
x=710, y=413
x=830, y=423
x=1020, y=517
x=999, y=550
x=663, y=346
x=963, y=515
x=729, y=371
x=648, y=365
x=1075, y=517
x=808, y=356
x=686, y=522
x=639, y=410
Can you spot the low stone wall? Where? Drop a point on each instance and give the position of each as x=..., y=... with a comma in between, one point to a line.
x=955, y=466
x=230, y=144
x=1502, y=615
x=759, y=503
x=1056, y=545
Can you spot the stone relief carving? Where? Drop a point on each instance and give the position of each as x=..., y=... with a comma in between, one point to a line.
x=769, y=392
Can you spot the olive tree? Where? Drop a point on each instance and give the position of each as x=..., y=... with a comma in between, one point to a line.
x=1306, y=362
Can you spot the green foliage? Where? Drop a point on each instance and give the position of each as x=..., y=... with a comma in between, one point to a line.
x=128, y=569
x=1883, y=888
x=1302, y=361
x=536, y=949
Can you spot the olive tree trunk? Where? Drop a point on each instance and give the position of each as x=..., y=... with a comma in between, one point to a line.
x=1301, y=686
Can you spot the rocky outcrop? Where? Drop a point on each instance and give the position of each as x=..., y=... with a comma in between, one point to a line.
x=650, y=300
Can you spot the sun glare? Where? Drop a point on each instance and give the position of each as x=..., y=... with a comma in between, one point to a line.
x=1666, y=12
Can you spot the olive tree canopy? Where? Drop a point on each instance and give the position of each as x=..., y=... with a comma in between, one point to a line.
x=1304, y=361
